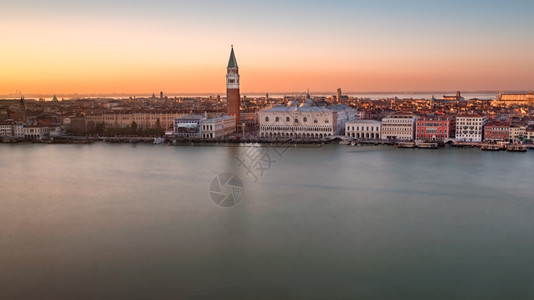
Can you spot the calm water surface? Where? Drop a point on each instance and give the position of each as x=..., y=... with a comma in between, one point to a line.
x=136, y=221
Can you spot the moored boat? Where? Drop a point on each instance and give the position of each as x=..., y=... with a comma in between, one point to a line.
x=516, y=148
x=405, y=145
x=492, y=147
x=428, y=145
x=159, y=140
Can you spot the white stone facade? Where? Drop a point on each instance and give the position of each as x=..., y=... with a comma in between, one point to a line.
x=218, y=127
x=305, y=121
x=196, y=126
x=363, y=129
x=10, y=128
x=232, y=79
x=36, y=132
x=517, y=132
x=469, y=128
x=398, y=126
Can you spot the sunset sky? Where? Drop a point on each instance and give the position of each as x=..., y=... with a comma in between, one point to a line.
x=183, y=46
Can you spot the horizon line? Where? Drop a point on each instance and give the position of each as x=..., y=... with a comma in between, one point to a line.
x=211, y=93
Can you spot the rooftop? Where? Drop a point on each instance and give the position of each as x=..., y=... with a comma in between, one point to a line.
x=337, y=107
x=469, y=116
x=363, y=122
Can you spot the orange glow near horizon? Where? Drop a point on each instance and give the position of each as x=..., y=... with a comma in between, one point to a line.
x=47, y=72
x=78, y=54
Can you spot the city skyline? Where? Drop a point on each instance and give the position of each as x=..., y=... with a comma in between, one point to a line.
x=60, y=47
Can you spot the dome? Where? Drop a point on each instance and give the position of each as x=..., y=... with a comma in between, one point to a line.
x=292, y=103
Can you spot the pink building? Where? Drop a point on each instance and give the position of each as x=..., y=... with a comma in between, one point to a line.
x=435, y=128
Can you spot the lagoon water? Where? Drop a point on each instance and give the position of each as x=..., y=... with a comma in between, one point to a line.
x=136, y=222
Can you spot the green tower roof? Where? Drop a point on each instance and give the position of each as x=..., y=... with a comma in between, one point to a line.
x=232, y=62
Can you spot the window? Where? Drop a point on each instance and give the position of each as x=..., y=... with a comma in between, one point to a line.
x=277, y=119
x=314, y=121
x=305, y=120
x=287, y=119
x=296, y=120
x=326, y=121
x=266, y=119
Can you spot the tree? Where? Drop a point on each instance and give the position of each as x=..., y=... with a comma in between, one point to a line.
x=134, y=126
x=91, y=126
x=99, y=128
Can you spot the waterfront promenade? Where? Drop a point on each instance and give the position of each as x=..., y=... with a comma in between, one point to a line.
x=255, y=140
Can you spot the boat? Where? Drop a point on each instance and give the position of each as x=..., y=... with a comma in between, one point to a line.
x=405, y=145
x=491, y=147
x=428, y=145
x=159, y=140
x=516, y=148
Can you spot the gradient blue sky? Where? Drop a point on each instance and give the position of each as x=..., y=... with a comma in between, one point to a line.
x=183, y=46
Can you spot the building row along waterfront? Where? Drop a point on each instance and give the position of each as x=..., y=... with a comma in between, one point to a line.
x=305, y=120
x=143, y=120
x=13, y=129
x=443, y=128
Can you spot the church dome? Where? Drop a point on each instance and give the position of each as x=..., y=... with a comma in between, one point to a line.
x=292, y=103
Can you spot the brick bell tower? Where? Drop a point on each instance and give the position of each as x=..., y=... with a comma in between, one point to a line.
x=233, y=98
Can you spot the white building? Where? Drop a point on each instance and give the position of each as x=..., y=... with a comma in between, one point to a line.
x=36, y=132
x=10, y=128
x=196, y=126
x=469, y=128
x=517, y=132
x=305, y=120
x=398, y=126
x=363, y=129
x=218, y=127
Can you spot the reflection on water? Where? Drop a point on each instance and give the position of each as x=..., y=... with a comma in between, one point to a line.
x=123, y=221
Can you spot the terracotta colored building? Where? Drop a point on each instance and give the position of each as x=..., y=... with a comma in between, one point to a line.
x=497, y=130
x=435, y=128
